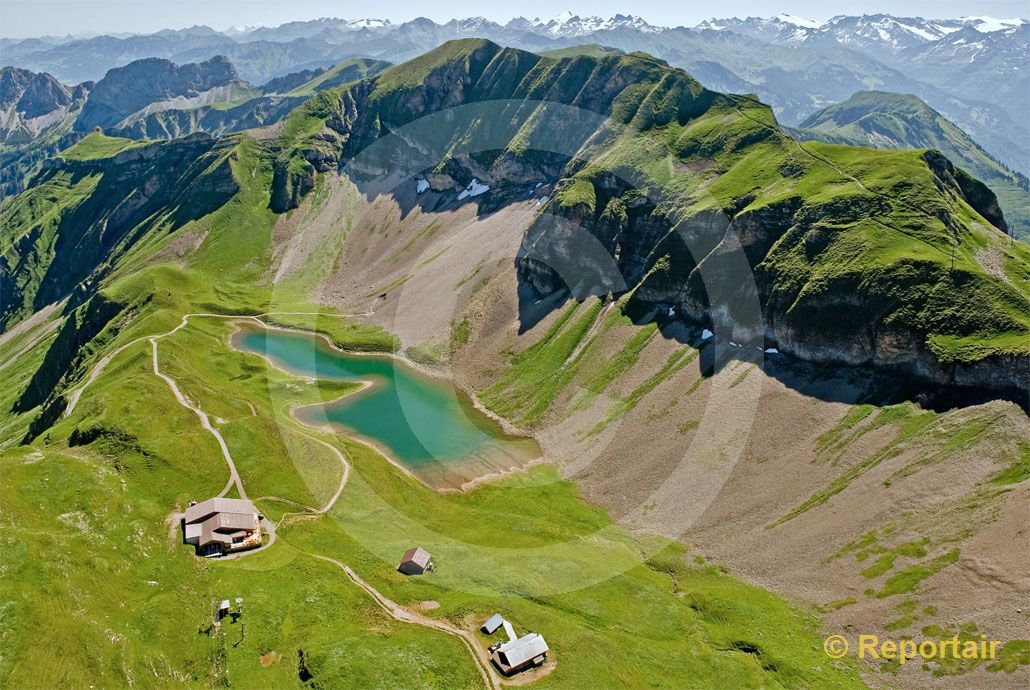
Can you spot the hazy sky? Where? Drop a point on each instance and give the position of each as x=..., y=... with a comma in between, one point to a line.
x=19, y=18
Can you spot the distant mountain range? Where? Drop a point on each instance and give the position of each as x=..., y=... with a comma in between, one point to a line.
x=971, y=69
x=148, y=98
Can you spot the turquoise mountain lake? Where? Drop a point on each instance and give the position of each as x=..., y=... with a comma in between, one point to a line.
x=422, y=422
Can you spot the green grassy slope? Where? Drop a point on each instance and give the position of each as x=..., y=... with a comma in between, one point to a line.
x=244, y=109
x=605, y=601
x=97, y=145
x=343, y=73
x=890, y=120
x=590, y=49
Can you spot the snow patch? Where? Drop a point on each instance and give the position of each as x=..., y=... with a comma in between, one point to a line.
x=421, y=186
x=988, y=25
x=568, y=24
x=921, y=33
x=799, y=21
x=706, y=334
x=771, y=351
x=542, y=200
x=475, y=188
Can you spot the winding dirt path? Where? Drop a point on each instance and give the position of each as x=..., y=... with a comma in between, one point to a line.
x=490, y=677
x=316, y=512
x=98, y=368
x=398, y=612
x=205, y=421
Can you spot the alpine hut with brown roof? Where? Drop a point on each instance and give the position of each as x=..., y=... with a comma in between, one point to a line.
x=415, y=561
x=220, y=525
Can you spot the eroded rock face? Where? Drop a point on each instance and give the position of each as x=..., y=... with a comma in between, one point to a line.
x=31, y=94
x=125, y=90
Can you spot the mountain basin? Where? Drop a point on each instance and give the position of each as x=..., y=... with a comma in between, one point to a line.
x=422, y=423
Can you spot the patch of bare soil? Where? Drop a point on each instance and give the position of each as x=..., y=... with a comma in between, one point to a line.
x=270, y=658
x=180, y=247
x=990, y=259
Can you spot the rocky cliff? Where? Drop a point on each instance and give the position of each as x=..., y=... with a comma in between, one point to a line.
x=126, y=90
x=31, y=94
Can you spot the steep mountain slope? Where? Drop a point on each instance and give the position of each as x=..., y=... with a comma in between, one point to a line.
x=797, y=80
x=36, y=117
x=31, y=103
x=812, y=253
x=242, y=108
x=890, y=121
x=648, y=415
x=83, y=211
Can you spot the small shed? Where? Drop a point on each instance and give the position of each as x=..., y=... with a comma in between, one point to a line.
x=415, y=561
x=492, y=623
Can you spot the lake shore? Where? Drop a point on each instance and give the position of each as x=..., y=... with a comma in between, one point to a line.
x=445, y=475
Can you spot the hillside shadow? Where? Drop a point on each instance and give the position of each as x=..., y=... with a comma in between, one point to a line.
x=826, y=382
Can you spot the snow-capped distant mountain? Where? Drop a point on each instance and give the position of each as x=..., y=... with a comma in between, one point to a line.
x=990, y=24
x=799, y=21
x=307, y=29
x=884, y=35
x=568, y=25
x=979, y=44
x=986, y=65
x=784, y=28
x=880, y=35
x=241, y=29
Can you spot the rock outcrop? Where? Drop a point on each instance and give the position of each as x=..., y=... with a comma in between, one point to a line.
x=126, y=90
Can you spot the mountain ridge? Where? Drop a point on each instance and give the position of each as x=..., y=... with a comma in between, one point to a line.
x=992, y=114
x=887, y=120
x=176, y=101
